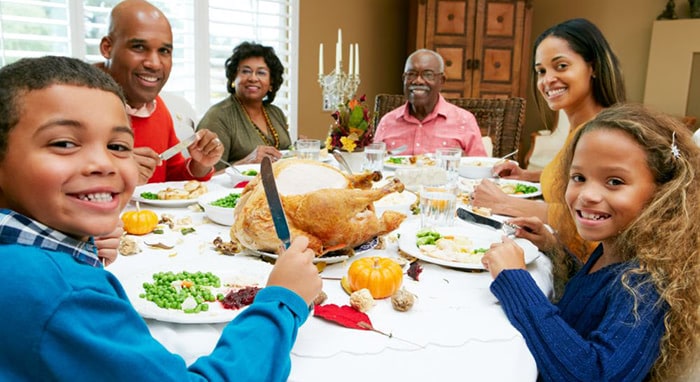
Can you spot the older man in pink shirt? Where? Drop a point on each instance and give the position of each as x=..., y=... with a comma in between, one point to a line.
x=427, y=122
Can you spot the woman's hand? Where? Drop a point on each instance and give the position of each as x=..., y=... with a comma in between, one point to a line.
x=534, y=230
x=508, y=170
x=295, y=271
x=505, y=255
x=260, y=152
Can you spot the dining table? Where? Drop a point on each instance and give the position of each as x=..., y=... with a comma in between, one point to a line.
x=456, y=329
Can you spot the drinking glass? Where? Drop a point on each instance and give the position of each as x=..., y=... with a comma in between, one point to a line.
x=309, y=149
x=374, y=156
x=448, y=159
x=438, y=205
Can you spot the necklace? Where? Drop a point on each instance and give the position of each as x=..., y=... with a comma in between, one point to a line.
x=266, y=140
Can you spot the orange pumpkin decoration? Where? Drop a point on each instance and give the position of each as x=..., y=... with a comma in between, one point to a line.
x=139, y=222
x=381, y=275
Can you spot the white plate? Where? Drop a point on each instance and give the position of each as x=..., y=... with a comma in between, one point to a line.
x=327, y=258
x=467, y=185
x=481, y=237
x=155, y=187
x=240, y=271
x=523, y=196
x=423, y=160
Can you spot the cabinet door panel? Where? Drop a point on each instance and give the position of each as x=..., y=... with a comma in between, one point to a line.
x=454, y=59
x=500, y=19
x=485, y=44
x=497, y=65
x=451, y=18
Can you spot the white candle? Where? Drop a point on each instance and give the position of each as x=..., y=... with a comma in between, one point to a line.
x=357, y=59
x=340, y=40
x=350, y=61
x=337, y=57
x=320, y=59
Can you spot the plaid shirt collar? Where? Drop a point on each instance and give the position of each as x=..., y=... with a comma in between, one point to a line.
x=19, y=229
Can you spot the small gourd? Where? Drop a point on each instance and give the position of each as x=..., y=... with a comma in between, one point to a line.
x=139, y=222
x=380, y=275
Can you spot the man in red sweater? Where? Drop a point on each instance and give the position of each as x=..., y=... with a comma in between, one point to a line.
x=138, y=52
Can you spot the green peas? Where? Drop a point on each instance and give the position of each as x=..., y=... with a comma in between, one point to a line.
x=228, y=201
x=164, y=293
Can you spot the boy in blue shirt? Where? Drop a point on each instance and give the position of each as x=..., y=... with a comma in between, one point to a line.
x=66, y=172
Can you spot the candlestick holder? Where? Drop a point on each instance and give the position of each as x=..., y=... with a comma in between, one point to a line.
x=337, y=87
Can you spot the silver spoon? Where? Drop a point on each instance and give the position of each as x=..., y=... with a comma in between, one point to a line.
x=237, y=171
x=341, y=160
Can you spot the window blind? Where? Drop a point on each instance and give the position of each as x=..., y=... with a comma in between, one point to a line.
x=204, y=35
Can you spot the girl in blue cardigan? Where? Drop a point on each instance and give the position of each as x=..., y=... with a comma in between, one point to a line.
x=631, y=312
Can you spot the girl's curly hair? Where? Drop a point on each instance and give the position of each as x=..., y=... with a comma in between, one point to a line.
x=249, y=49
x=664, y=240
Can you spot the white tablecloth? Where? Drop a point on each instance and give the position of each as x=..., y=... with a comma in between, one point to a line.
x=455, y=331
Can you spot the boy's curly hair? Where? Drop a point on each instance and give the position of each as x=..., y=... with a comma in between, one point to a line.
x=664, y=240
x=30, y=74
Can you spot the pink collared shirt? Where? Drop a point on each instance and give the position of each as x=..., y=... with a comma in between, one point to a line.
x=446, y=126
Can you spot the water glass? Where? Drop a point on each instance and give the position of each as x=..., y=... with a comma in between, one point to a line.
x=438, y=205
x=308, y=149
x=374, y=156
x=448, y=159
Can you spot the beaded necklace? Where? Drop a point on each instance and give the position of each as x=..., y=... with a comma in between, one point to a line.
x=266, y=140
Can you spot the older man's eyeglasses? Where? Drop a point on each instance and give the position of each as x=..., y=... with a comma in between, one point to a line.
x=427, y=75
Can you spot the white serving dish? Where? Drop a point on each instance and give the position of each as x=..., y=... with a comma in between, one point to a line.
x=237, y=177
x=477, y=167
x=220, y=215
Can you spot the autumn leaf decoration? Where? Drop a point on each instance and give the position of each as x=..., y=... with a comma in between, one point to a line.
x=346, y=316
x=352, y=126
x=415, y=270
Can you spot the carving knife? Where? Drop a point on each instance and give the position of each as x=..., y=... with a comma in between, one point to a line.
x=169, y=153
x=274, y=202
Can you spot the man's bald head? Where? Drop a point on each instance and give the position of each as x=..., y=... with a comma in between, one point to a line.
x=138, y=50
x=133, y=8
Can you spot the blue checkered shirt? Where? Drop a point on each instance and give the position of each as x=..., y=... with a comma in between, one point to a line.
x=18, y=229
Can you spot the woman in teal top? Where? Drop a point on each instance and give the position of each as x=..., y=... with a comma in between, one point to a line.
x=247, y=123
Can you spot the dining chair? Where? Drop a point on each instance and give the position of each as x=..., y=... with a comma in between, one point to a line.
x=500, y=119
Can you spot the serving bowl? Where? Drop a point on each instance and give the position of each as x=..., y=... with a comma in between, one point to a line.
x=243, y=174
x=477, y=167
x=220, y=215
x=396, y=201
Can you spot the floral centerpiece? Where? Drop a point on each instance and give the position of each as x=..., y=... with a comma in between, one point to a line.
x=352, y=128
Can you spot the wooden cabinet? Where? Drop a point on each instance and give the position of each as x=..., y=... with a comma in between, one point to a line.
x=485, y=44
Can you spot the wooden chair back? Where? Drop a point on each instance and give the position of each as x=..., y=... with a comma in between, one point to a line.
x=500, y=119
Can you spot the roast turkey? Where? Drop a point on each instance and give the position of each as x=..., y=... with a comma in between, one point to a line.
x=334, y=210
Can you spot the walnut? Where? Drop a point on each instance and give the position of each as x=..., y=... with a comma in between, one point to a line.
x=321, y=298
x=226, y=248
x=362, y=300
x=128, y=246
x=403, y=300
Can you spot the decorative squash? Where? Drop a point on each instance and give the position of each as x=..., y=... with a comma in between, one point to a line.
x=139, y=222
x=381, y=275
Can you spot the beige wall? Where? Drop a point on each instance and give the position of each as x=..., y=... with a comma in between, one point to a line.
x=379, y=26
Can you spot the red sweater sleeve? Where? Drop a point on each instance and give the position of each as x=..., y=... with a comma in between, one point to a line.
x=158, y=133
